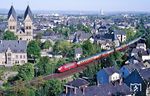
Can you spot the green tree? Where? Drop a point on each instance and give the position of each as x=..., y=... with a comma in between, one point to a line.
x=90, y=72
x=130, y=34
x=83, y=28
x=9, y=36
x=44, y=66
x=26, y=72
x=54, y=87
x=48, y=88
x=148, y=41
x=19, y=89
x=62, y=47
x=89, y=48
x=117, y=59
x=46, y=45
x=33, y=49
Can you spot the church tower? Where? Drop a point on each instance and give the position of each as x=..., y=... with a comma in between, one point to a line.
x=28, y=24
x=12, y=20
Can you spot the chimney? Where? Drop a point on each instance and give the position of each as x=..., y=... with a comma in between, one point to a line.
x=66, y=90
x=0, y=41
x=75, y=91
x=83, y=91
x=121, y=80
x=98, y=83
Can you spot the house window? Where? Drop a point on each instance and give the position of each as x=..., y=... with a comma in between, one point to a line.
x=28, y=33
x=26, y=27
x=24, y=56
x=10, y=27
x=29, y=27
x=13, y=27
x=16, y=56
x=9, y=54
x=20, y=56
x=9, y=59
x=16, y=62
x=22, y=61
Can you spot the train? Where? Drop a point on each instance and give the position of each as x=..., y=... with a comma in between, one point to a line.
x=94, y=57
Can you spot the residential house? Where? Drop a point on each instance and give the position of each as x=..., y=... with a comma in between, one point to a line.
x=79, y=36
x=13, y=52
x=78, y=52
x=76, y=85
x=141, y=46
x=107, y=75
x=120, y=89
x=147, y=63
x=145, y=55
x=106, y=41
x=127, y=69
x=106, y=45
x=139, y=81
x=134, y=52
x=103, y=30
x=120, y=35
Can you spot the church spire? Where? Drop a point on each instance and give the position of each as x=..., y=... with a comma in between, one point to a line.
x=12, y=12
x=28, y=13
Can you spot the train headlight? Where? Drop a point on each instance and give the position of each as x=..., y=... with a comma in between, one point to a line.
x=59, y=68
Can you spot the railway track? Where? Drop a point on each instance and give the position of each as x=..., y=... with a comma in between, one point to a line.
x=63, y=75
x=74, y=70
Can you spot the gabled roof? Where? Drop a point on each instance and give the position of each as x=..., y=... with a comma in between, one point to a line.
x=28, y=12
x=107, y=90
x=78, y=83
x=12, y=12
x=15, y=46
x=132, y=67
x=102, y=90
x=110, y=70
x=119, y=32
x=145, y=73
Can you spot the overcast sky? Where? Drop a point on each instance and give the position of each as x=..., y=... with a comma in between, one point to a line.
x=79, y=5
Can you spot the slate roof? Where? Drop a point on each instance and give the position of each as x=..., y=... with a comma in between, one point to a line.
x=148, y=51
x=83, y=35
x=28, y=12
x=12, y=12
x=111, y=70
x=135, y=50
x=104, y=37
x=16, y=46
x=78, y=82
x=132, y=67
x=145, y=73
x=140, y=44
x=119, y=32
x=103, y=90
x=107, y=89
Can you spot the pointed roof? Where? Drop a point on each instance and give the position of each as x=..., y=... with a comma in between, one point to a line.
x=12, y=12
x=28, y=12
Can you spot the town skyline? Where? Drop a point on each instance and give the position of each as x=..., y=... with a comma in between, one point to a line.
x=84, y=5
